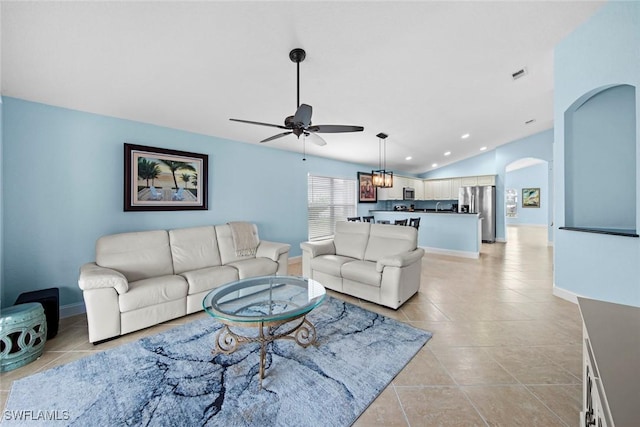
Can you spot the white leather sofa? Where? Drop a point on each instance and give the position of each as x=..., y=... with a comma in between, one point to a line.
x=144, y=278
x=376, y=262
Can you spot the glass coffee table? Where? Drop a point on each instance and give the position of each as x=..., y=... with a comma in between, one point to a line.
x=276, y=305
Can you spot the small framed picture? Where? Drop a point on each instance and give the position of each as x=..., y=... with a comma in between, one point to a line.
x=157, y=179
x=367, y=193
x=531, y=197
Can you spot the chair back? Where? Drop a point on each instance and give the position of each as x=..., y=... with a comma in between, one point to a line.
x=367, y=218
x=400, y=222
x=354, y=219
x=414, y=222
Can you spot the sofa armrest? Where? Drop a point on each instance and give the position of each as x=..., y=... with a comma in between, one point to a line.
x=321, y=247
x=272, y=250
x=400, y=260
x=92, y=276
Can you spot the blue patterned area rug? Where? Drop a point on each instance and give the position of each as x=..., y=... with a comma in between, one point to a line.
x=173, y=379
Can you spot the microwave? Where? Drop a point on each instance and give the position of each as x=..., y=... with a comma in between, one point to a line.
x=408, y=193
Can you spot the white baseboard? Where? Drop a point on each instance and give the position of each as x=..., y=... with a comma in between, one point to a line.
x=461, y=254
x=565, y=294
x=72, y=310
x=501, y=240
x=527, y=225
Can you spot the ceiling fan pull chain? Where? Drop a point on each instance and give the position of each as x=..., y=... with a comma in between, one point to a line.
x=304, y=148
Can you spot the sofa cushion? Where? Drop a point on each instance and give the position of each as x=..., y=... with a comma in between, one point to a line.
x=137, y=255
x=363, y=272
x=194, y=248
x=226, y=246
x=329, y=264
x=253, y=267
x=351, y=238
x=209, y=278
x=386, y=240
x=148, y=292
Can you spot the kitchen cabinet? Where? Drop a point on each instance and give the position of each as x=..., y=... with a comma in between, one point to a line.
x=456, y=183
x=417, y=185
x=395, y=192
x=469, y=181
x=443, y=189
x=486, y=180
x=429, y=189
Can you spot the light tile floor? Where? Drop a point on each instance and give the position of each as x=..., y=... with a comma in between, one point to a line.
x=505, y=351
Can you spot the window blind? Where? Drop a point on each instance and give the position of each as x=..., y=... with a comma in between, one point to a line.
x=329, y=200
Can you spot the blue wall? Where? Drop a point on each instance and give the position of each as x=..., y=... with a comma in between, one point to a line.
x=532, y=176
x=538, y=146
x=1, y=205
x=600, y=135
x=601, y=53
x=63, y=182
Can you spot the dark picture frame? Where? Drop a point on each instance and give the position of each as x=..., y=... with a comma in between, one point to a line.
x=531, y=197
x=158, y=179
x=367, y=193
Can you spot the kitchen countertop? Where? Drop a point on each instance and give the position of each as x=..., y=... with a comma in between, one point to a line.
x=422, y=211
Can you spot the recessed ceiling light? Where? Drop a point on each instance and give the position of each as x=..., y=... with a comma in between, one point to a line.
x=448, y=153
x=408, y=158
x=465, y=136
x=435, y=165
x=483, y=148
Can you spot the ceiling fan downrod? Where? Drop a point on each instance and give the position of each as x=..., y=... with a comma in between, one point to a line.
x=297, y=55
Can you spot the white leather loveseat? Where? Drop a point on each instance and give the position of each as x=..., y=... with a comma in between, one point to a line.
x=144, y=278
x=376, y=262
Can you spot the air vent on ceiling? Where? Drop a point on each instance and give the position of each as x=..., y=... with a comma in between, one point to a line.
x=519, y=74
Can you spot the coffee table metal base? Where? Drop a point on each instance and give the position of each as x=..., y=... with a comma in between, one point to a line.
x=302, y=332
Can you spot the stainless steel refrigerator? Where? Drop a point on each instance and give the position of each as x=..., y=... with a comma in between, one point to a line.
x=480, y=200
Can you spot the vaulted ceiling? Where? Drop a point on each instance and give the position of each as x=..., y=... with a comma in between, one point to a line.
x=424, y=72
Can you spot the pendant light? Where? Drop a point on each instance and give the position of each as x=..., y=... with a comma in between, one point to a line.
x=382, y=178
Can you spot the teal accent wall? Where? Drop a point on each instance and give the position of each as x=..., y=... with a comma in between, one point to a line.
x=536, y=176
x=537, y=146
x=62, y=174
x=602, y=53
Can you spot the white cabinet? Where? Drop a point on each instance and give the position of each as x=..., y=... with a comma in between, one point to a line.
x=486, y=180
x=456, y=183
x=418, y=186
x=430, y=190
x=448, y=189
x=443, y=189
x=395, y=192
x=469, y=181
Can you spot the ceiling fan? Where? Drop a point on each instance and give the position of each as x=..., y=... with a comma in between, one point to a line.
x=300, y=122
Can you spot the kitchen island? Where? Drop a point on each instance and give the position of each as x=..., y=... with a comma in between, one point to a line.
x=444, y=232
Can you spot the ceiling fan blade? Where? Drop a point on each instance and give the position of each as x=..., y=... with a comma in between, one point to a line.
x=280, y=135
x=334, y=128
x=316, y=139
x=303, y=115
x=259, y=123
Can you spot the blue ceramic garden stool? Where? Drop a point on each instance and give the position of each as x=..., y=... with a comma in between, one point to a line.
x=23, y=333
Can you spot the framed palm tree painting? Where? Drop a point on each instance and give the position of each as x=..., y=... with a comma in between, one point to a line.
x=157, y=179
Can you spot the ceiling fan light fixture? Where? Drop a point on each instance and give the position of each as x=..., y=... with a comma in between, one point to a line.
x=382, y=178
